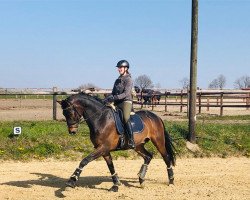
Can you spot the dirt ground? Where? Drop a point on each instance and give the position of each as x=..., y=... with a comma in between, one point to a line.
x=207, y=178
x=203, y=178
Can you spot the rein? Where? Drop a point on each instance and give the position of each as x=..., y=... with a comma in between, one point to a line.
x=81, y=118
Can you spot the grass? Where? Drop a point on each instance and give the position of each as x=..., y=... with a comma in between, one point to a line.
x=41, y=140
x=223, y=118
x=214, y=139
x=50, y=139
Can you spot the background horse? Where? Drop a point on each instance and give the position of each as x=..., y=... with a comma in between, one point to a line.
x=104, y=135
x=148, y=96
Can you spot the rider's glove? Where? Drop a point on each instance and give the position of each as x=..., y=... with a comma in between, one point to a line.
x=109, y=99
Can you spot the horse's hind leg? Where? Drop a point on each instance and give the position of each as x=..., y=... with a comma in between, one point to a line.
x=114, y=175
x=162, y=149
x=147, y=156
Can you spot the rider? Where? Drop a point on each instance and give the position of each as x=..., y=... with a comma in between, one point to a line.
x=122, y=97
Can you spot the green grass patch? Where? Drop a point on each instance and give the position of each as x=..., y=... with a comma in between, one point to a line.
x=224, y=139
x=213, y=138
x=41, y=140
x=50, y=139
x=223, y=118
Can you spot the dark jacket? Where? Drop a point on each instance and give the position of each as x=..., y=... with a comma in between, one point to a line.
x=122, y=90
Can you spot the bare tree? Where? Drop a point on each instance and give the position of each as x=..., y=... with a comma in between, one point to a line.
x=242, y=82
x=213, y=84
x=221, y=81
x=184, y=83
x=143, y=82
x=218, y=82
x=87, y=86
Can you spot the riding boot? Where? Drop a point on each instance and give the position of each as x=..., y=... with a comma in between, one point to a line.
x=131, y=143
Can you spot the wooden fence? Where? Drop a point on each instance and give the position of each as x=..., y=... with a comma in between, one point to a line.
x=205, y=98
x=208, y=99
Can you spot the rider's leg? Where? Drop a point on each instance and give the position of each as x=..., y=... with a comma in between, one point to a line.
x=127, y=107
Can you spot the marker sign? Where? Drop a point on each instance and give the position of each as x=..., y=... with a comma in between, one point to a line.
x=17, y=130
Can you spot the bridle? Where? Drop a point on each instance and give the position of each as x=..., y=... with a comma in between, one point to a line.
x=80, y=117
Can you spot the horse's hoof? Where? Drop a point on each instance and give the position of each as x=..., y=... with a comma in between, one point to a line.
x=114, y=188
x=171, y=181
x=71, y=183
x=142, y=185
x=118, y=183
x=141, y=181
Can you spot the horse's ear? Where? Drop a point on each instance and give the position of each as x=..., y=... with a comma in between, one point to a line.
x=59, y=101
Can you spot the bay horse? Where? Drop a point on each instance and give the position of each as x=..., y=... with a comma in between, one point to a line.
x=103, y=134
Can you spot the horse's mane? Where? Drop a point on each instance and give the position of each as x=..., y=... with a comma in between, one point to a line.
x=83, y=95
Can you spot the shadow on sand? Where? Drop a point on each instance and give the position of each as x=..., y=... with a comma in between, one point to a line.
x=49, y=180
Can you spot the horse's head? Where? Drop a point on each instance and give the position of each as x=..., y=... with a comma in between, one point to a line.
x=72, y=114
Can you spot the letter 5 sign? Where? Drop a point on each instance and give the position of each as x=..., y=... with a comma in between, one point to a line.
x=17, y=130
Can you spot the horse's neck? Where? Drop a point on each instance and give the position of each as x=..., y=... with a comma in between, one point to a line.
x=92, y=113
x=91, y=108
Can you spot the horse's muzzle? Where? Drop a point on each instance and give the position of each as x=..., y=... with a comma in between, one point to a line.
x=72, y=130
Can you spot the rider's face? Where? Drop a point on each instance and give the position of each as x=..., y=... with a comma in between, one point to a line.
x=121, y=70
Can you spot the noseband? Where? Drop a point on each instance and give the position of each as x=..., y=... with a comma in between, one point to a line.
x=74, y=108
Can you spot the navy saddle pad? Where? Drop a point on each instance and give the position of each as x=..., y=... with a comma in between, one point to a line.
x=136, y=122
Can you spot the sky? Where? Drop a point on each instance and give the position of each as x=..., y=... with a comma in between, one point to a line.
x=47, y=43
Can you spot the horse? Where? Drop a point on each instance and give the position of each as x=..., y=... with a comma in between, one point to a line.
x=156, y=97
x=104, y=136
x=143, y=94
x=149, y=96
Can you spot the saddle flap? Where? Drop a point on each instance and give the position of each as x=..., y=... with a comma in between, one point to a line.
x=136, y=122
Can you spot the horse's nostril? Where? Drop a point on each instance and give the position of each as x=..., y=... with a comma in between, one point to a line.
x=72, y=132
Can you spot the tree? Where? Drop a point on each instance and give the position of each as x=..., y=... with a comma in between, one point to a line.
x=143, y=82
x=218, y=82
x=242, y=82
x=87, y=86
x=221, y=81
x=184, y=83
x=213, y=84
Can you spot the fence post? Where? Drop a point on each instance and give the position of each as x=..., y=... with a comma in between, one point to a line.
x=141, y=100
x=207, y=103
x=221, y=104
x=247, y=100
x=199, y=102
x=166, y=102
x=54, y=102
x=21, y=97
x=181, y=107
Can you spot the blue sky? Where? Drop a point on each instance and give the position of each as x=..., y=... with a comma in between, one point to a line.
x=70, y=43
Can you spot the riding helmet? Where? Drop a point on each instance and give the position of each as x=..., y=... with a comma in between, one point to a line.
x=123, y=63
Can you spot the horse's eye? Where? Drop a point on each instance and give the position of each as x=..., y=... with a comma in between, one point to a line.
x=67, y=113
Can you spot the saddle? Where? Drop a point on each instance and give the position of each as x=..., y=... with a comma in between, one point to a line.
x=136, y=123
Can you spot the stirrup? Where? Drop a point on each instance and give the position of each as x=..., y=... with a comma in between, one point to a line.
x=131, y=144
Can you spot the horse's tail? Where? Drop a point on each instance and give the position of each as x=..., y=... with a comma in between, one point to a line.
x=169, y=146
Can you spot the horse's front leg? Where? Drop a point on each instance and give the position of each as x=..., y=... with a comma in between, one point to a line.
x=75, y=176
x=114, y=175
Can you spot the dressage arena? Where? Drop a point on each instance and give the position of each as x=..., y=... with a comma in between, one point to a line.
x=41, y=109
x=200, y=178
